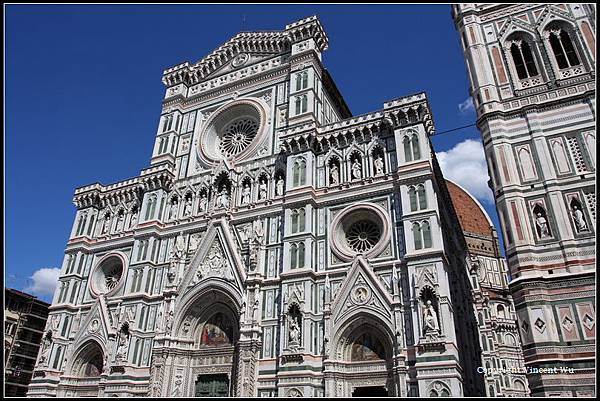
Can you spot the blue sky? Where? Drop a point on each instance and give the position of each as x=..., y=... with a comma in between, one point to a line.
x=83, y=95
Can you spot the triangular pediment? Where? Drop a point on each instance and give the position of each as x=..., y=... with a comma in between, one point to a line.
x=361, y=290
x=217, y=258
x=514, y=25
x=95, y=324
x=239, y=62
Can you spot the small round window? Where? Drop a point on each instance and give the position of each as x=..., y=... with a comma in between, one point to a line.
x=107, y=275
x=360, y=230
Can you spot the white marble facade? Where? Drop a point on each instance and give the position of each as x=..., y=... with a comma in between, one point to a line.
x=271, y=247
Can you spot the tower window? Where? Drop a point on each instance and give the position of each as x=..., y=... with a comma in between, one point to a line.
x=563, y=49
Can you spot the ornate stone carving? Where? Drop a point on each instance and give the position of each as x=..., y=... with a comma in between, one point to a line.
x=214, y=265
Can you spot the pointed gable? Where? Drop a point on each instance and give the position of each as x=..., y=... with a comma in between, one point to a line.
x=217, y=258
x=361, y=290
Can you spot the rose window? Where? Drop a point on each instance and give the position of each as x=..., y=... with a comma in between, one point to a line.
x=107, y=275
x=113, y=275
x=237, y=136
x=360, y=229
x=363, y=235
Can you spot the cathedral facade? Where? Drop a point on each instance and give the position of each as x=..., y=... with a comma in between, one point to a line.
x=532, y=71
x=277, y=245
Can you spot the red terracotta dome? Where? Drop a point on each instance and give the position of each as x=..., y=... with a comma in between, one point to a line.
x=471, y=215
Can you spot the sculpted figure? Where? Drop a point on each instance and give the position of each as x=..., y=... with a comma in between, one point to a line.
x=262, y=190
x=356, y=170
x=430, y=320
x=122, y=347
x=246, y=194
x=173, y=210
x=120, y=221
x=579, y=219
x=280, y=186
x=133, y=220
x=542, y=225
x=203, y=202
x=378, y=165
x=46, y=343
x=223, y=200
x=187, y=209
x=106, y=226
x=294, y=332
x=334, y=175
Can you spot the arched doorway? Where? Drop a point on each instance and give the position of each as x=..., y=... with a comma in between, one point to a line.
x=207, y=347
x=363, y=365
x=87, y=367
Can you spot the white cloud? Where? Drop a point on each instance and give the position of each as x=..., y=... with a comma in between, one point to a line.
x=44, y=282
x=465, y=164
x=467, y=106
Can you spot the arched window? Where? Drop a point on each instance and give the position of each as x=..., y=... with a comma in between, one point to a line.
x=298, y=103
x=421, y=196
x=150, y=208
x=301, y=103
x=484, y=343
x=415, y=147
x=563, y=49
x=407, y=149
x=304, y=79
x=412, y=195
x=294, y=221
x=300, y=262
x=501, y=312
x=293, y=256
x=301, y=218
x=304, y=104
x=417, y=236
x=426, y=230
x=299, y=172
x=523, y=59
x=301, y=80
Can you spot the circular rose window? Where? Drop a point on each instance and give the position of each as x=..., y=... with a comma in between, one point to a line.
x=233, y=131
x=237, y=136
x=107, y=275
x=363, y=235
x=362, y=229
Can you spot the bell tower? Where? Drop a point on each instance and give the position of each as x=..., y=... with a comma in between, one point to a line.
x=532, y=74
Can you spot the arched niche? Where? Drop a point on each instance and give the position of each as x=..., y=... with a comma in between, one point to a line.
x=87, y=367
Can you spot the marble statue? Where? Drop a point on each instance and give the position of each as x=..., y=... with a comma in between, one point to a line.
x=334, y=175
x=542, y=225
x=262, y=190
x=430, y=320
x=280, y=186
x=246, y=194
x=294, y=332
x=203, y=202
x=356, y=170
x=187, y=208
x=223, y=199
x=579, y=219
x=378, y=165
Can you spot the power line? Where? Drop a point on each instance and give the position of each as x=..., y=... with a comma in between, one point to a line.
x=454, y=129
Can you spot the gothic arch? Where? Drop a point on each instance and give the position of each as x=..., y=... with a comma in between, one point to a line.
x=90, y=352
x=353, y=326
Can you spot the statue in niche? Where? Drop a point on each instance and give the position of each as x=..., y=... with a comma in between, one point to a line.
x=187, y=208
x=133, y=220
x=542, y=226
x=186, y=326
x=294, y=332
x=120, y=221
x=121, y=355
x=106, y=225
x=203, y=202
x=334, y=175
x=173, y=209
x=378, y=165
x=262, y=190
x=105, y=365
x=579, y=218
x=223, y=199
x=430, y=319
x=356, y=170
x=280, y=186
x=246, y=194
x=46, y=343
